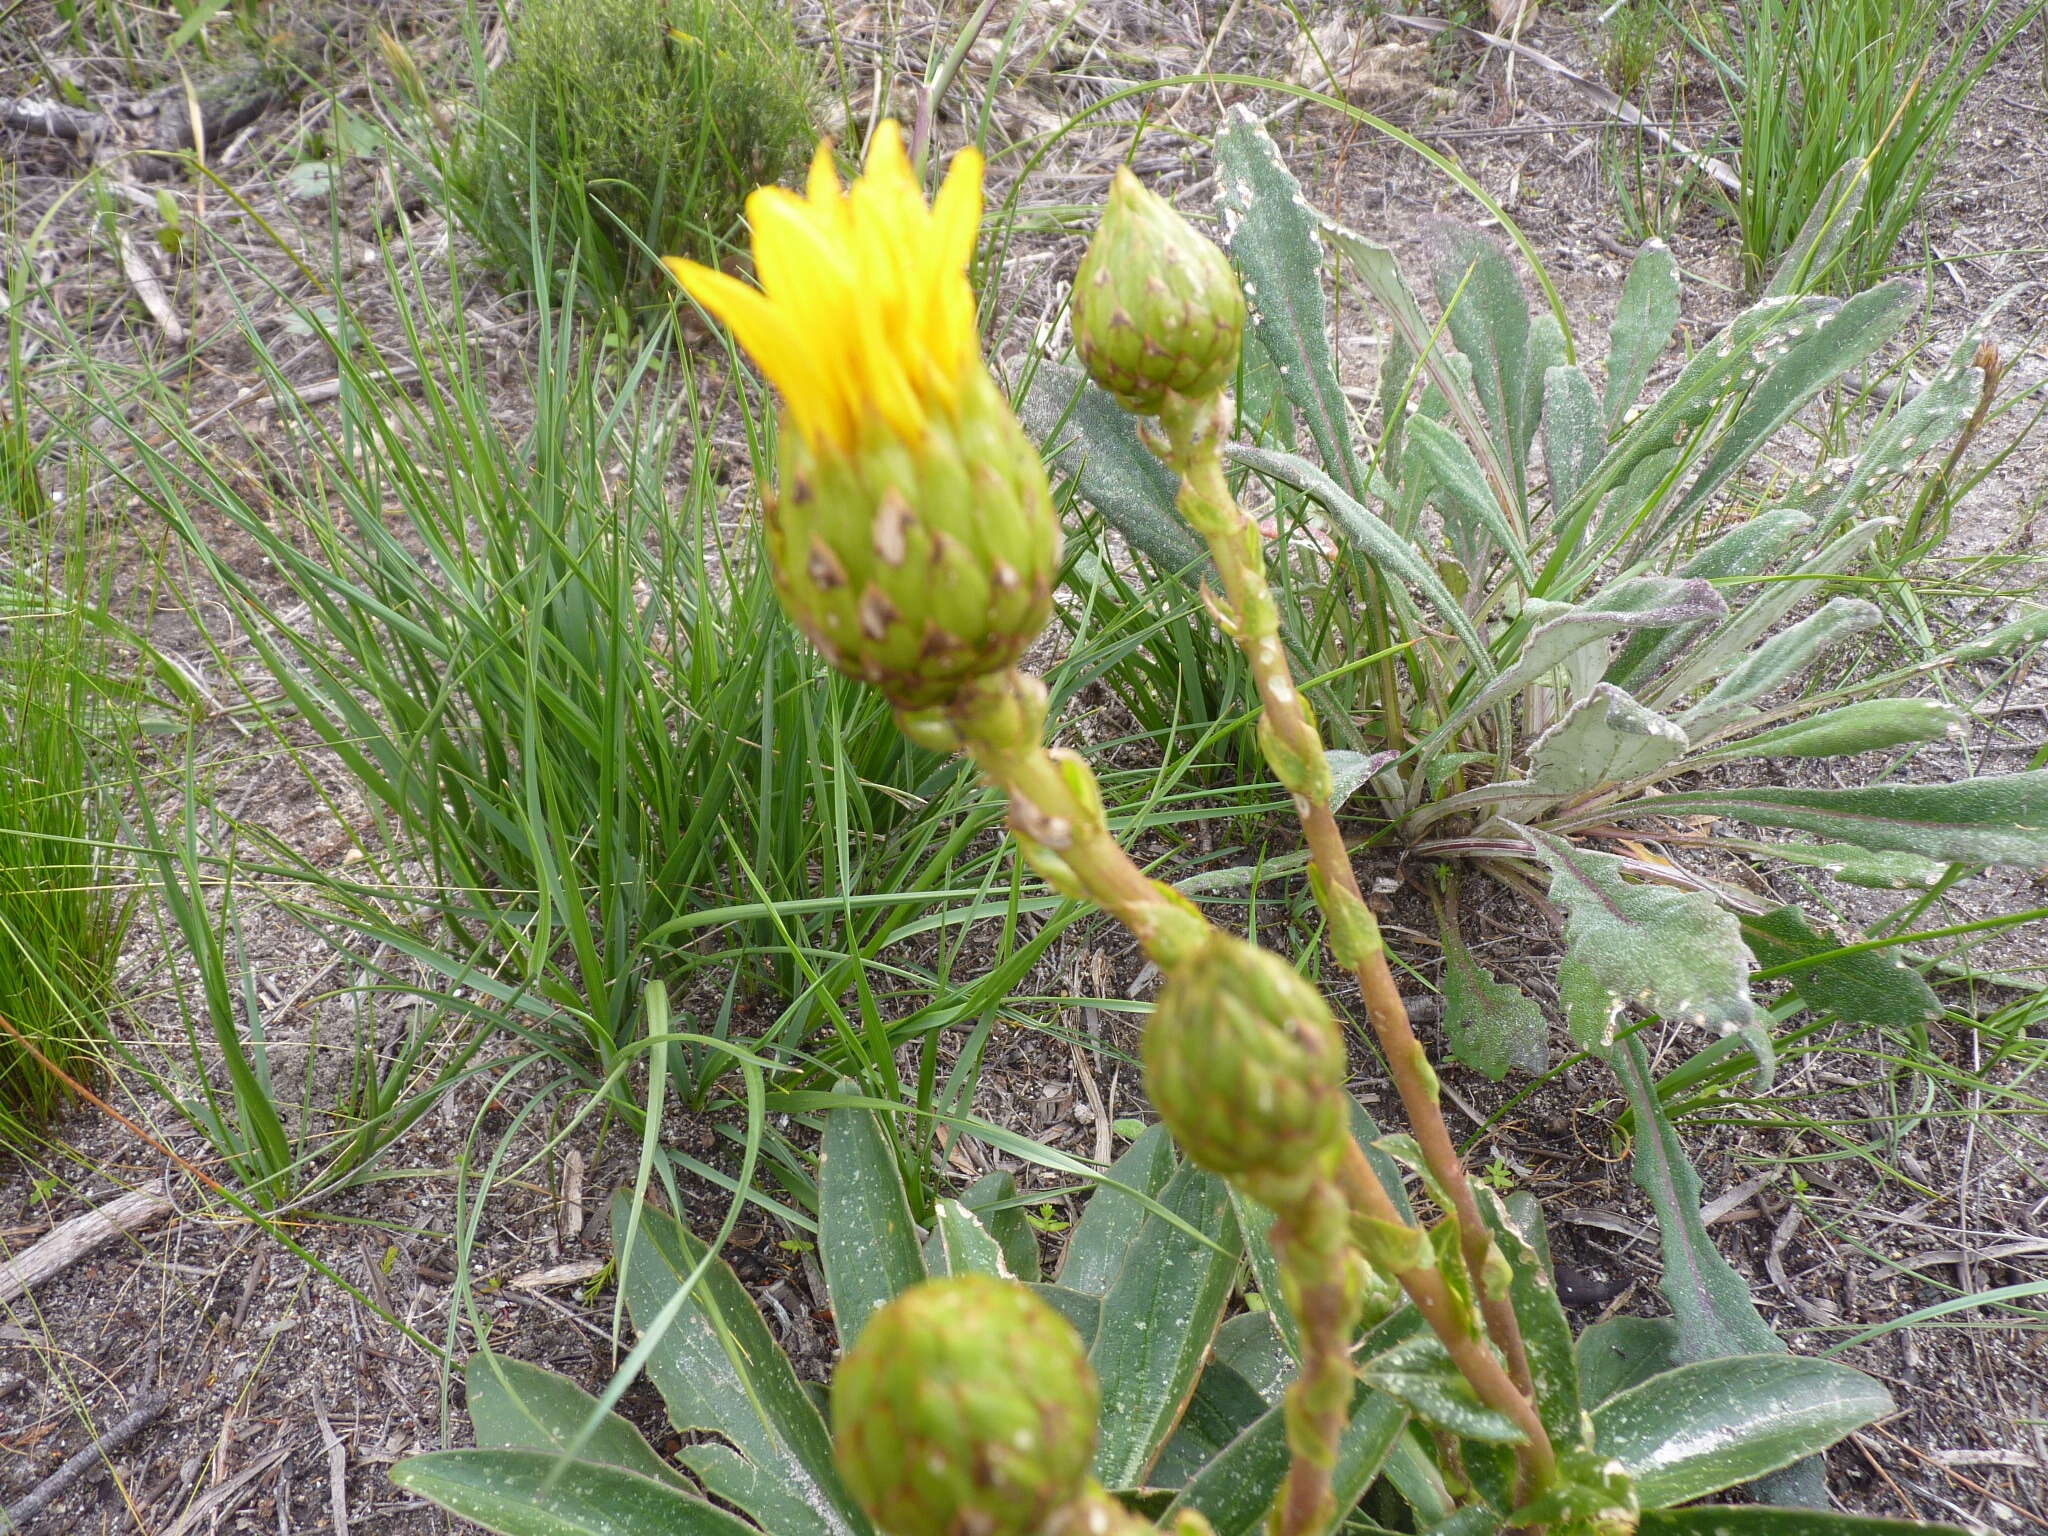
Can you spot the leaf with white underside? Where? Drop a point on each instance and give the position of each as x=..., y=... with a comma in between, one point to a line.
x=1776, y=662
x=1998, y=819
x=1675, y=953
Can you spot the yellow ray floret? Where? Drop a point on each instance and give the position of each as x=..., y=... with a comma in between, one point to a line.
x=863, y=318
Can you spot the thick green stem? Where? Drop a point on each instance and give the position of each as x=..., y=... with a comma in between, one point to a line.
x=1294, y=747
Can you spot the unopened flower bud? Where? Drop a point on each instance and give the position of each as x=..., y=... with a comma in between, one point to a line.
x=967, y=1408
x=1157, y=308
x=919, y=564
x=1246, y=1066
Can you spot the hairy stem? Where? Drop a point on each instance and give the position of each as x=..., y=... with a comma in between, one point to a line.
x=1317, y=1271
x=1294, y=747
x=1476, y=1361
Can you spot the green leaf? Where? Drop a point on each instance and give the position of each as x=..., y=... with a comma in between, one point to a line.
x=1643, y=322
x=1087, y=435
x=1418, y=1373
x=1492, y=1026
x=1235, y=1490
x=1517, y=1226
x=993, y=1199
x=1591, y=1011
x=1275, y=243
x=1748, y=549
x=1676, y=953
x=2022, y=633
x=1472, y=515
x=719, y=1369
x=1703, y=1427
x=1872, y=987
x=1255, y=1222
x=1776, y=662
x=1623, y=1352
x=1710, y=1302
x=1813, y=251
x=1381, y=544
x=867, y=1240
x=1573, y=437
x=1869, y=725
x=766, y=1497
x=1111, y=1219
x=520, y=1407
x=1806, y=358
x=1223, y=1407
x=1923, y=425
x=1158, y=1320
x=1641, y=602
x=1866, y=867
x=1080, y=1308
x=1250, y=1344
x=1752, y=1520
x=1448, y=371
x=1487, y=314
x=501, y=1490
x=1998, y=819
x=961, y=1245
x=1606, y=738
x=1727, y=644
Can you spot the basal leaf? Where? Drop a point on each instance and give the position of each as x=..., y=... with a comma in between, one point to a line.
x=1786, y=655
x=1748, y=549
x=521, y=1407
x=1605, y=738
x=1517, y=1226
x=1752, y=1520
x=1089, y=436
x=992, y=1198
x=1492, y=1027
x=1276, y=245
x=1472, y=515
x=1223, y=1407
x=1622, y=1352
x=1487, y=313
x=1868, y=725
x=1236, y=1489
x=502, y=1490
x=1573, y=436
x=1678, y=954
x=719, y=1369
x=1873, y=869
x=1158, y=1320
x=960, y=1245
x=1250, y=1343
x=867, y=1240
x=1710, y=1302
x=1386, y=548
x=1716, y=1423
x=1418, y=1373
x=1643, y=322
x=1873, y=987
x=1997, y=819
x=1080, y=1308
x=1110, y=1221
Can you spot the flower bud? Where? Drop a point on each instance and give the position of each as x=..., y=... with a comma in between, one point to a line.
x=1157, y=309
x=919, y=564
x=967, y=1408
x=1246, y=1066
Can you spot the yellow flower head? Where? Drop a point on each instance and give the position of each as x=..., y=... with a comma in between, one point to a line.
x=864, y=319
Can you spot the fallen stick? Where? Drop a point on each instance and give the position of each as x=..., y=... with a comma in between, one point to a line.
x=145, y=1413
x=1627, y=112
x=69, y=1241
